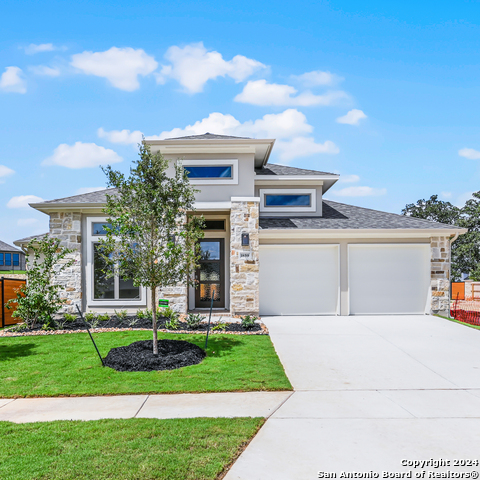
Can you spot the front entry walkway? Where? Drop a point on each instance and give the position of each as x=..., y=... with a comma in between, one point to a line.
x=370, y=393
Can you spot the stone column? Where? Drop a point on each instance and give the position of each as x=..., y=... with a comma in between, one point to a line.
x=440, y=274
x=66, y=226
x=177, y=295
x=244, y=287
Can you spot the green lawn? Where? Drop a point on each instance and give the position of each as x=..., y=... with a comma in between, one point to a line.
x=146, y=449
x=56, y=365
x=9, y=272
x=458, y=321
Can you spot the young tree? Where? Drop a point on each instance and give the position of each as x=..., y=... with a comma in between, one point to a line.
x=151, y=240
x=39, y=299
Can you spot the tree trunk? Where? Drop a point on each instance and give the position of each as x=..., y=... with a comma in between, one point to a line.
x=154, y=320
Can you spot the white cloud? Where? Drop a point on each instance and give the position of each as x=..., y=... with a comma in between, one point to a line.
x=22, y=201
x=349, y=178
x=469, y=153
x=124, y=137
x=43, y=47
x=446, y=194
x=289, y=128
x=82, y=155
x=463, y=198
x=120, y=66
x=259, y=92
x=5, y=172
x=304, y=147
x=352, y=117
x=12, y=80
x=24, y=222
x=359, y=192
x=287, y=124
x=317, y=78
x=192, y=66
x=45, y=71
x=83, y=190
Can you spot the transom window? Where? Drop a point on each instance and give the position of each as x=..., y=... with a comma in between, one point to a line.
x=224, y=171
x=212, y=172
x=288, y=200
x=215, y=225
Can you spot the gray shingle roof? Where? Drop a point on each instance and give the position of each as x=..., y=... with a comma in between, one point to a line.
x=5, y=247
x=207, y=136
x=273, y=169
x=32, y=237
x=342, y=216
x=100, y=196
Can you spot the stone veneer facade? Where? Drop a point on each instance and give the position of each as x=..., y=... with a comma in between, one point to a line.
x=67, y=227
x=244, y=281
x=440, y=274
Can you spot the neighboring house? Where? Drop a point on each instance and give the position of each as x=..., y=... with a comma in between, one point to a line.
x=11, y=258
x=272, y=244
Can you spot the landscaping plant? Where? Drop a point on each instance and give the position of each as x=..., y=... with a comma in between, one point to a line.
x=121, y=314
x=141, y=314
x=194, y=320
x=40, y=299
x=248, y=321
x=69, y=317
x=150, y=238
x=172, y=322
x=105, y=317
x=220, y=326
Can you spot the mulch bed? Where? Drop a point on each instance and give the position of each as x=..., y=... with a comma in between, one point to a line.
x=139, y=357
x=115, y=324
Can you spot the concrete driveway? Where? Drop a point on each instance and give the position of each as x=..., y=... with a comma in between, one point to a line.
x=370, y=392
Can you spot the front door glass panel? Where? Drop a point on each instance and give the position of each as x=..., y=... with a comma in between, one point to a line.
x=211, y=274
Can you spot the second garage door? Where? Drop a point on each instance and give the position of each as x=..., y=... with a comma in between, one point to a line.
x=388, y=279
x=299, y=279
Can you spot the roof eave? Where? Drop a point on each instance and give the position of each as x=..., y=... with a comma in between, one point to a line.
x=360, y=232
x=49, y=207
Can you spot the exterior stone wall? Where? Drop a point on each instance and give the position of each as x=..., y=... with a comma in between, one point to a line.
x=67, y=227
x=440, y=274
x=178, y=296
x=19, y=276
x=244, y=285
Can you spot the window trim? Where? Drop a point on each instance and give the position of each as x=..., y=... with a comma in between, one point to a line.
x=288, y=191
x=89, y=275
x=228, y=162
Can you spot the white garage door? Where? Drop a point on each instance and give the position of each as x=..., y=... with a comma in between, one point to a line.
x=299, y=279
x=388, y=279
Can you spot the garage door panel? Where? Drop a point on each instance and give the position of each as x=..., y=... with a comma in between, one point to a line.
x=299, y=279
x=388, y=279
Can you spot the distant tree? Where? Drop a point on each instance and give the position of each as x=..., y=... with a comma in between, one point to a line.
x=466, y=249
x=151, y=240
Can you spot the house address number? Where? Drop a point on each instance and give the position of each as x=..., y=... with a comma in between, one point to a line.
x=246, y=255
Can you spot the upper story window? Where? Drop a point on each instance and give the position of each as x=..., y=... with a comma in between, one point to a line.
x=209, y=172
x=212, y=172
x=288, y=200
x=98, y=228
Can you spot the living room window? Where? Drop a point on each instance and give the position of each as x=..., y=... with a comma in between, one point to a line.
x=103, y=289
x=212, y=172
x=288, y=200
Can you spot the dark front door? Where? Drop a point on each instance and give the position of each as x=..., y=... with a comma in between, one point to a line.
x=211, y=274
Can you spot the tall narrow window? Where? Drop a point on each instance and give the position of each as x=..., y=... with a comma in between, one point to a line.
x=8, y=259
x=16, y=259
x=1, y=259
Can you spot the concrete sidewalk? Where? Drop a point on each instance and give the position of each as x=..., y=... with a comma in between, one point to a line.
x=248, y=404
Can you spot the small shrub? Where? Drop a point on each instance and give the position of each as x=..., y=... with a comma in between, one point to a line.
x=194, y=320
x=60, y=322
x=220, y=326
x=167, y=312
x=141, y=314
x=133, y=321
x=172, y=323
x=69, y=317
x=90, y=316
x=121, y=314
x=148, y=314
x=105, y=317
x=248, y=321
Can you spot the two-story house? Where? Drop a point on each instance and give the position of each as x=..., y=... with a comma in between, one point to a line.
x=273, y=245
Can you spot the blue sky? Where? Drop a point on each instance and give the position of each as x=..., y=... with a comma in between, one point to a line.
x=384, y=93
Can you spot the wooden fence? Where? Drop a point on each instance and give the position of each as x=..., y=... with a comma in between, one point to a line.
x=8, y=289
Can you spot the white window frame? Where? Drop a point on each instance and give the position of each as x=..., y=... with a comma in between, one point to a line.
x=228, y=162
x=91, y=301
x=288, y=191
